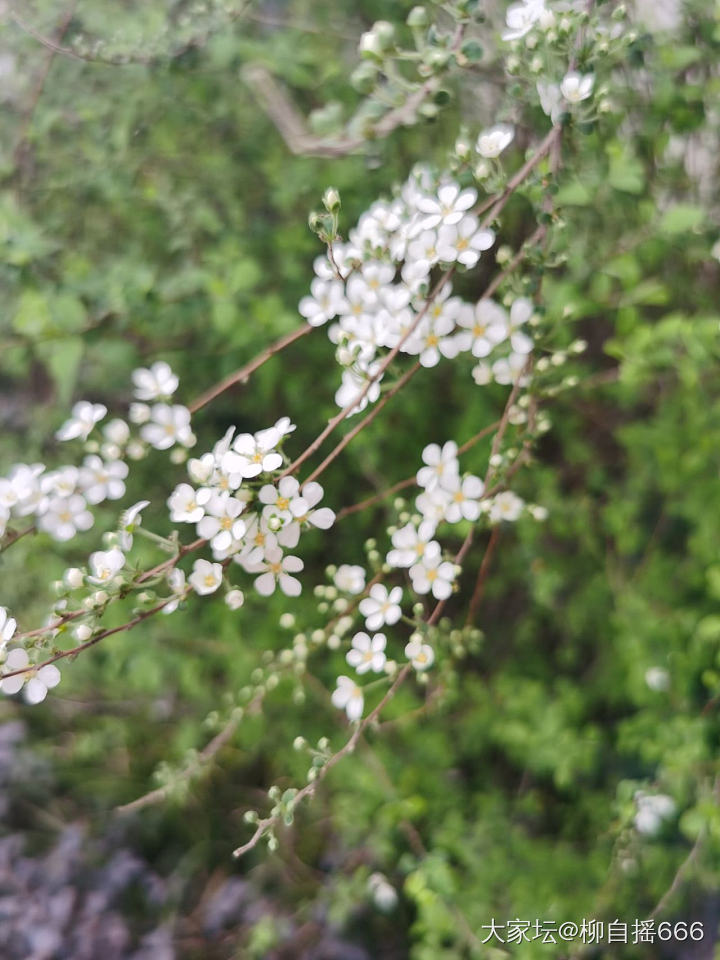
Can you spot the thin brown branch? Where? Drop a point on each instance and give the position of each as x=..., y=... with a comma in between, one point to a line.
x=348, y=408
x=364, y=422
x=92, y=641
x=293, y=129
x=21, y=147
x=244, y=373
x=477, y=595
x=310, y=788
x=15, y=535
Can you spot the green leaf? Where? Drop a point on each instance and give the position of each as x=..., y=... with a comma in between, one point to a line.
x=681, y=218
x=62, y=359
x=626, y=173
x=32, y=317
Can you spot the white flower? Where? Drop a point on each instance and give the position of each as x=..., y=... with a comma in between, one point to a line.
x=353, y=385
x=381, y=607
x=276, y=570
x=652, y=809
x=465, y=500
x=27, y=487
x=139, y=413
x=463, y=242
x=117, y=432
x=104, y=564
x=167, y=426
x=234, y=599
x=206, y=577
x=201, y=469
x=576, y=87
x=84, y=417
x=187, y=505
x=505, y=506
x=39, y=682
x=304, y=513
x=522, y=17
x=279, y=500
x=221, y=523
x=442, y=465
x=484, y=327
x=424, y=250
x=433, y=503
x=348, y=696
x=448, y=208
x=509, y=369
x=129, y=520
x=65, y=516
x=257, y=541
x=383, y=893
x=411, y=543
x=326, y=302
x=520, y=313
x=367, y=654
x=350, y=578
x=434, y=574
x=251, y=455
x=420, y=654
x=657, y=678
x=176, y=582
x=550, y=99
x=491, y=143
x=102, y=481
x=159, y=382
x=7, y=627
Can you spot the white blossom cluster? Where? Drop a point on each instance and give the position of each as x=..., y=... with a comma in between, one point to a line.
x=375, y=287
x=246, y=514
x=57, y=501
x=446, y=496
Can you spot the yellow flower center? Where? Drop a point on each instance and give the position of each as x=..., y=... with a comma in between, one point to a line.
x=282, y=503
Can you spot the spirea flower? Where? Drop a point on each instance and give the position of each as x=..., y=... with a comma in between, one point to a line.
x=348, y=696
x=506, y=506
x=441, y=465
x=187, y=505
x=102, y=481
x=491, y=143
x=576, y=87
x=65, y=516
x=7, y=627
x=433, y=574
x=104, y=564
x=276, y=570
x=34, y=683
x=350, y=578
x=157, y=382
x=167, y=426
x=367, y=653
x=84, y=417
x=206, y=577
x=420, y=655
x=381, y=606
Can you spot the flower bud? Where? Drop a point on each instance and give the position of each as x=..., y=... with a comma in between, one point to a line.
x=331, y=200
x=74, y=577
x=418, y=18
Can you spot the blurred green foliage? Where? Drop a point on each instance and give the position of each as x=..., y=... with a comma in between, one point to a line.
x=152, y=210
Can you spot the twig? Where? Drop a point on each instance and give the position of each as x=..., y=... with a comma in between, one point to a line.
x=482, y=575
x=244, y=373
x=291, y=124
x=20, y=151
x=364, y=422
x=309, y=789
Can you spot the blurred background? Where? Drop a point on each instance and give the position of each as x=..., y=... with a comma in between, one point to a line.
x=150, y=209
